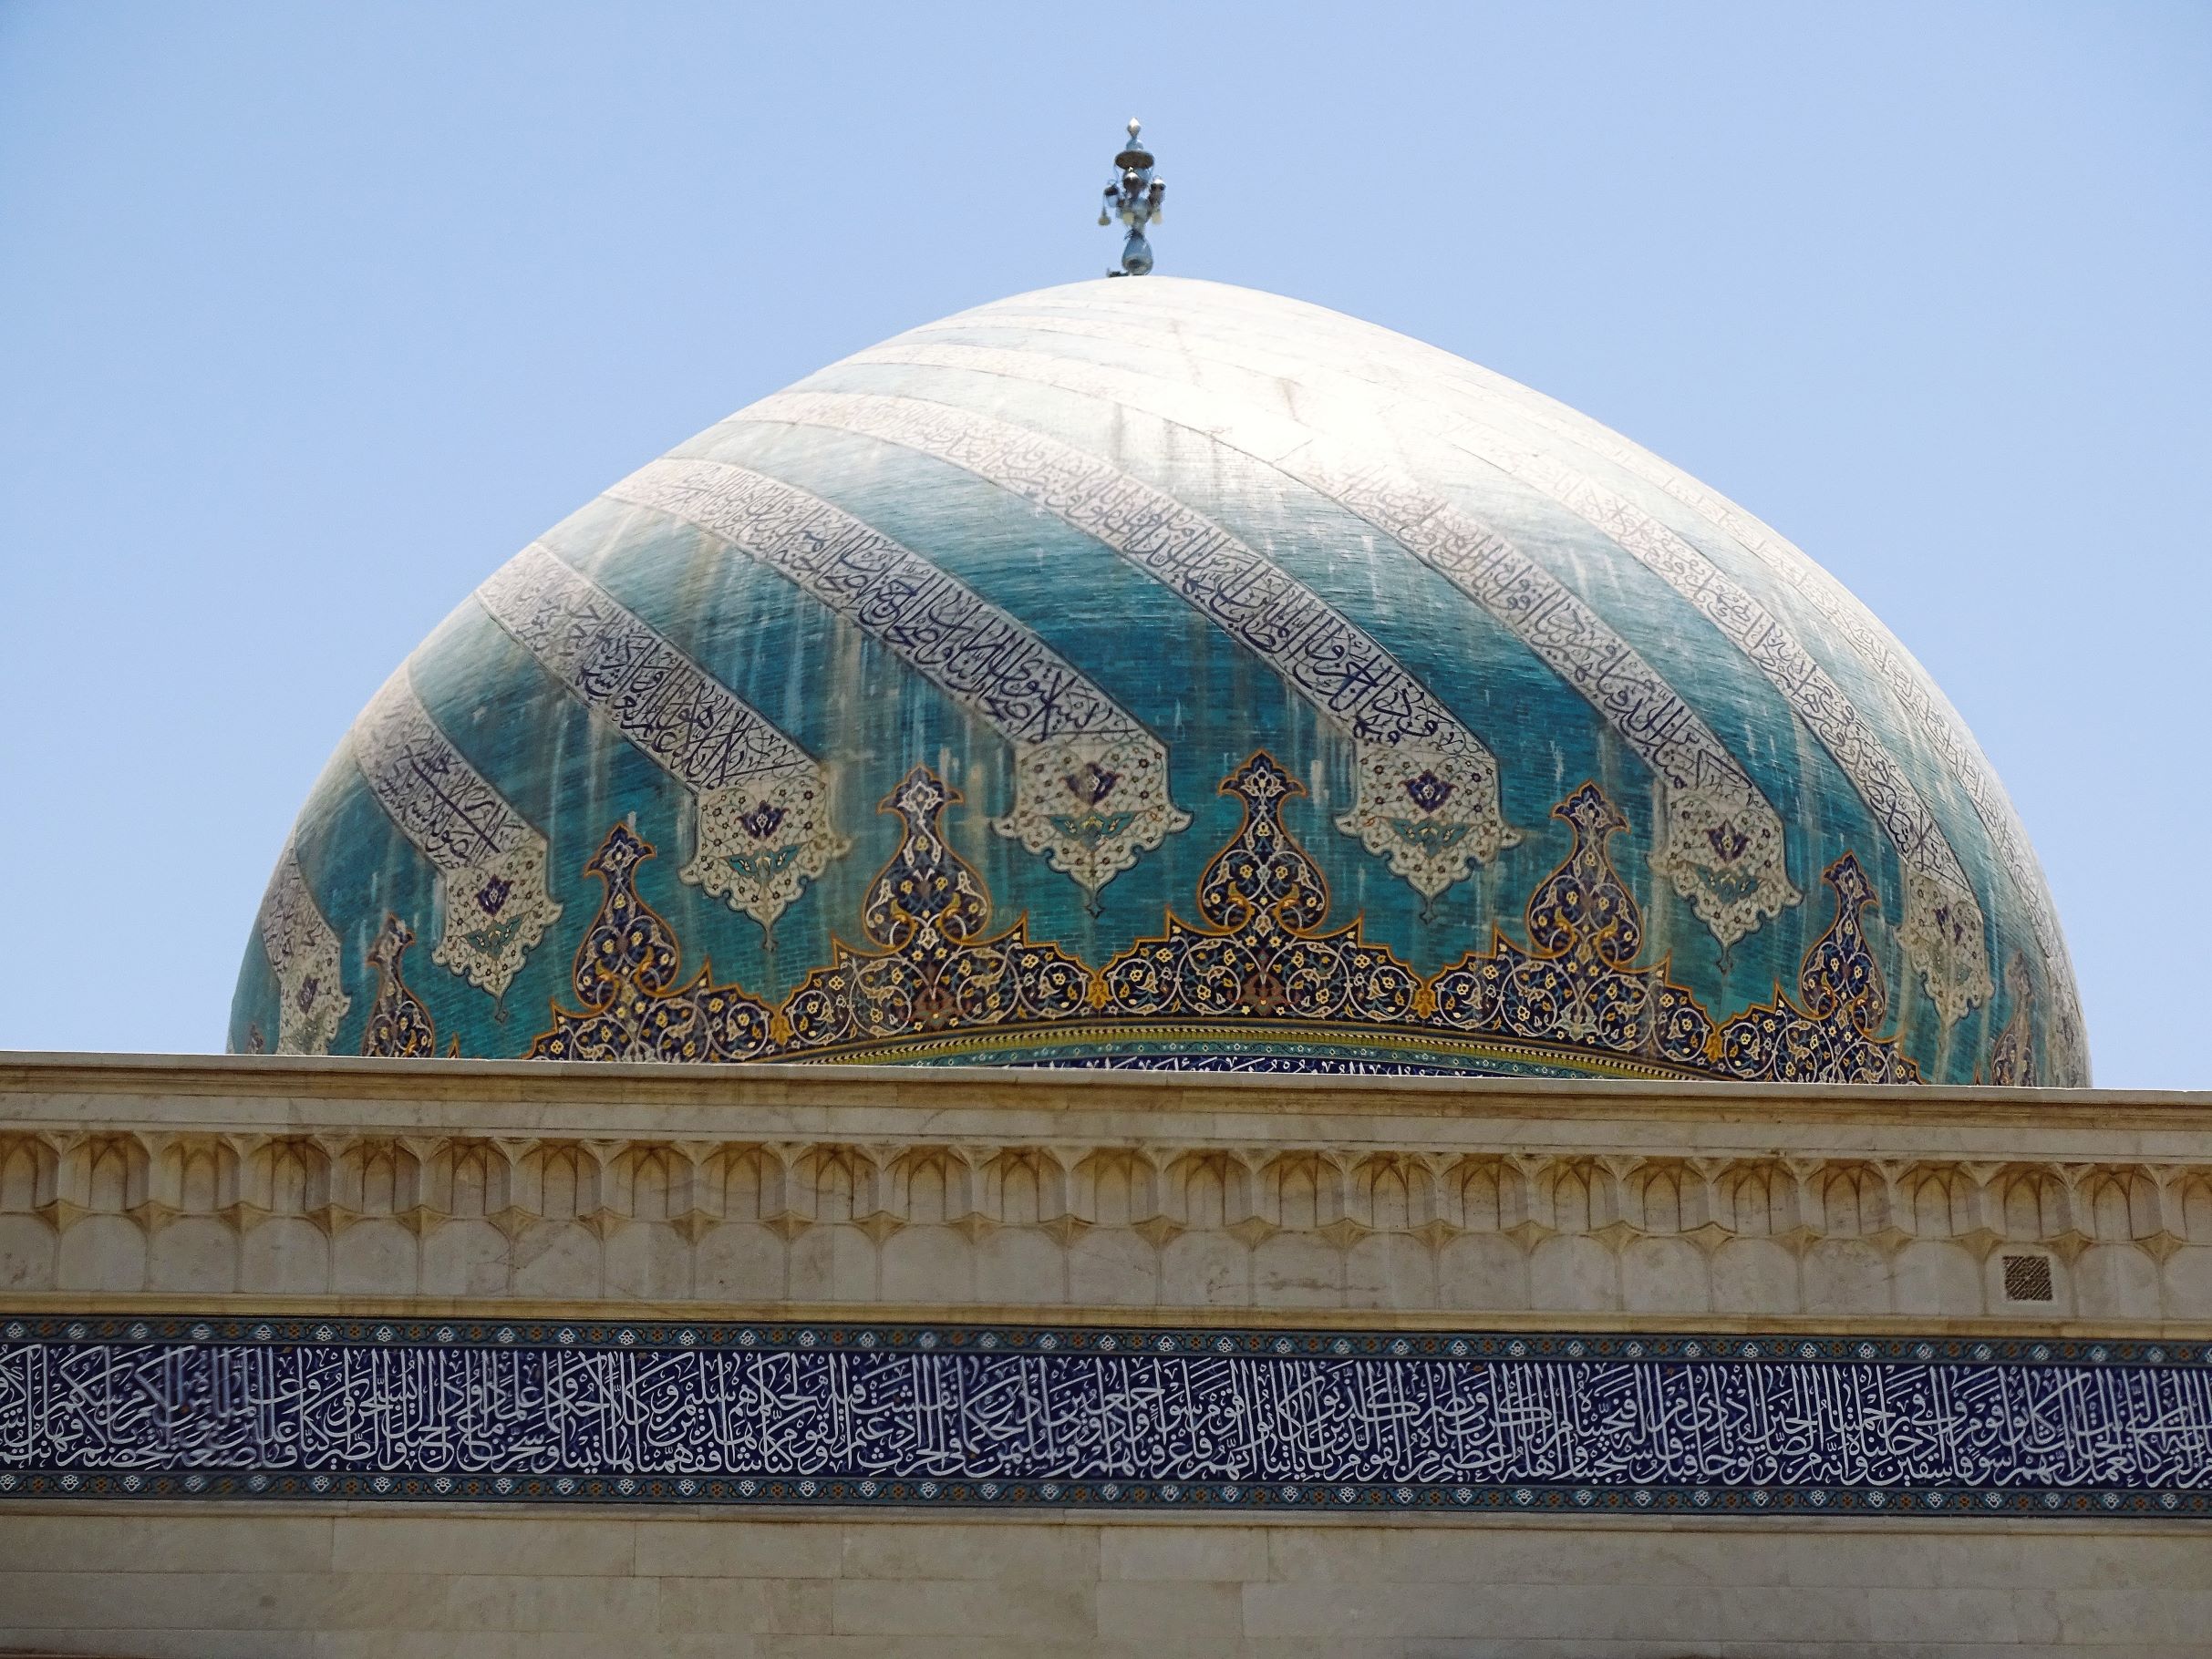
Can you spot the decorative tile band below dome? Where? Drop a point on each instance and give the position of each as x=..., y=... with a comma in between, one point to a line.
x=1069, y=1416
x=1257, y=981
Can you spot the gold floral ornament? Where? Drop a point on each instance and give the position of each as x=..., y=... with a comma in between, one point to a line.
x=1261, y=954
x=625, y=979
x=1829, y=1036
x=1578, y=983
x=2012, y=1051
x=400, y=1027
x=928, y=912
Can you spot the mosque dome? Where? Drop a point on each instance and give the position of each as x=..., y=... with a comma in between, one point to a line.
x=1161, y=674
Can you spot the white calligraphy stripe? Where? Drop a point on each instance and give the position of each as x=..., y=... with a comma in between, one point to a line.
x=1427, y=786
x=1722, y=845
x=408, y=1408
x=303, y=953
x=1091, y=783
x=1942, y=929
x=491, y=861
x=1410, y=380
x=761, y=815
x=1929, y=711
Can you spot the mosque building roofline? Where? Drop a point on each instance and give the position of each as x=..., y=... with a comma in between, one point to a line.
x=1069, y=1091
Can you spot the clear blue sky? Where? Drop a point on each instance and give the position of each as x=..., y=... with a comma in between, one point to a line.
x=310, y=314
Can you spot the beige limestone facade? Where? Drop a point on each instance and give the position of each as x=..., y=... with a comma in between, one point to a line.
x=373, y=1584
x=458, y=1189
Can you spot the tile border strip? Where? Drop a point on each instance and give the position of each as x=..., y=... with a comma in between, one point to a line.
x=22, y=1479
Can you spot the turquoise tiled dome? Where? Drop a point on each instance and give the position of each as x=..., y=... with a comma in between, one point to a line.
x=1157, y=673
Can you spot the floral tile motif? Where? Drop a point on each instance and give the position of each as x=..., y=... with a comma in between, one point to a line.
x=761, y=803
x=400, y=1027
x=938, y=965
x=1399, y=729
x=1262, y=953
x=625, y=979
x=2012, y=1054
x=1830, y=1034
x=1578, y=981
x=491, y=860
x=1722, y=848
x=302, y=952
x=1089, y=782
x=1261, y=967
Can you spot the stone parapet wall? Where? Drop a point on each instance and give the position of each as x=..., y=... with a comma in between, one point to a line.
x=233, y=1191
x=996, y=1192
x=334, y=1583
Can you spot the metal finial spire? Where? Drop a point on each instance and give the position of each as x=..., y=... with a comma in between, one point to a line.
x=1135, y=197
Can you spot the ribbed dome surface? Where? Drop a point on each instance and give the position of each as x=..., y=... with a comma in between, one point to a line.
x=1161, y=673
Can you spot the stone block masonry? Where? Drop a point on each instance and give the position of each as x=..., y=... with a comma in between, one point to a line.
x=340, y=1582
x=159, y=1195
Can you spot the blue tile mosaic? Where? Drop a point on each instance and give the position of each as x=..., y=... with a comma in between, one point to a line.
x=1116, y=1418
x=1077, y=556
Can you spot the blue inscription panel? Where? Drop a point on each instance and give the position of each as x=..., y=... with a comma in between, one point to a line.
x=1040, y=1415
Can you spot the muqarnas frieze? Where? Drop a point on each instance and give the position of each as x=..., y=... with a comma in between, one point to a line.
x=1166, y=1224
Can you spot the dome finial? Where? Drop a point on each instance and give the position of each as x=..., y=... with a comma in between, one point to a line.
x=1133, y=196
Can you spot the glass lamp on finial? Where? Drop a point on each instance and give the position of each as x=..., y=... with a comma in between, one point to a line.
x=1134, y=197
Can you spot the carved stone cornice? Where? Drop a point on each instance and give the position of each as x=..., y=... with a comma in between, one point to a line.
x=1491, y=1195
x=1337, y=1187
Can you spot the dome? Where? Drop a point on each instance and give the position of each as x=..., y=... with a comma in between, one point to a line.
x=1161, y=674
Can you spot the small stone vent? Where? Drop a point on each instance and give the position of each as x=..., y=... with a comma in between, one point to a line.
x=2027, y=1278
